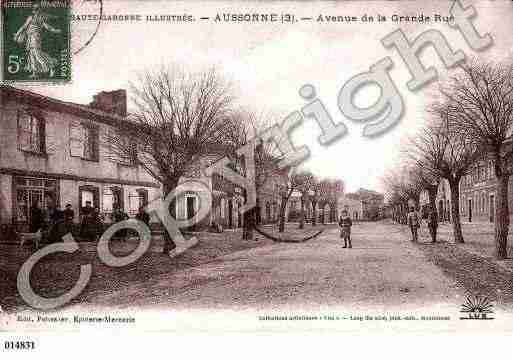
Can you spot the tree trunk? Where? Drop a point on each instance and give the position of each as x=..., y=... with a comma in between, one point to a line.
x=249, y=219
x=302, y=215
x=502, y=218
x=283, y=208
x=249, y=225
x=432, y=190
x=455, y=211
x=169, y=244
x=314, y=212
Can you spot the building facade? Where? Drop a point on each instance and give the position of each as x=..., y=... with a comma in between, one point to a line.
x=269, y=196
x=442, y=201
x=354, y=207
x=52, y=151
x=227, y=198
x=372, y=203
x=478, y=193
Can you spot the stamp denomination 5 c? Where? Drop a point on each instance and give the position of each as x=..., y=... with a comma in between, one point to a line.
x=36, y=41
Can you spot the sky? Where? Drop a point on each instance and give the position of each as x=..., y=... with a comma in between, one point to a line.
x=269, y=62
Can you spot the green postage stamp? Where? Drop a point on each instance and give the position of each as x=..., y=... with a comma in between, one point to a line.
x=36, y=41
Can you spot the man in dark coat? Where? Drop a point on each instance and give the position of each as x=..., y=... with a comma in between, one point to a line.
x=143, y=216
x=69, y=216
x=345, y=224
x=414, y=223
x=37, y=217
x=118, y=216
x=87, y=224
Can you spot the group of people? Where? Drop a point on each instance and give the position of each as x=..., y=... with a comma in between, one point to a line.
x=56, y=222
x=53, y=221
x=414, y=220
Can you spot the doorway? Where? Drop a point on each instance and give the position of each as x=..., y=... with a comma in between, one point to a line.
x=28, y=191
x=441, y=216
x=470, y=210
x=230, y=213
x=239, y=216
x=492, y=208
x=191, y=209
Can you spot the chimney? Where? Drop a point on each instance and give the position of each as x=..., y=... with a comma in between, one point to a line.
x=111, y=101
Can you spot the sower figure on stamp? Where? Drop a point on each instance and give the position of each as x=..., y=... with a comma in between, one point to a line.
x=413, y=223
x=432, y=221
x=345, y=224
x=30, y=35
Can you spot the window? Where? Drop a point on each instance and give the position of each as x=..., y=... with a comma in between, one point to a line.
x=84, y=141
x=222, y=205
x=117, y=198
x=87, y=196
x=133, y=203
x=137, y=199
x=120, y=148
x=112, y=197
x=28, y=191
x=108, y=200
x=88, y=193
x=31, y=133
x=132, y=156
x=180, y=210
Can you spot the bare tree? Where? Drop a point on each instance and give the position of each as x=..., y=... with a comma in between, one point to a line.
x=178, y=118
x=479, y=102
x=402, y=188
x=249, y=126
x=314, y=199
x=325, y=189
x=286, y=193
x=336, y=190
x=440, y=151
x=303, y=182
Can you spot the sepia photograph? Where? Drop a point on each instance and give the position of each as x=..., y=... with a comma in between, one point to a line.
x=254, y=167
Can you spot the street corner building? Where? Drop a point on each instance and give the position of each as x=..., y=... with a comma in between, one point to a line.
x=52, y=151
x=228, y=198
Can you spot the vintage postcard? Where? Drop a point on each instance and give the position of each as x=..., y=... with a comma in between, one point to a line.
x=255, y=167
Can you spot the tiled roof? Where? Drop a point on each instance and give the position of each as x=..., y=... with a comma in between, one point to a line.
x=32, y=98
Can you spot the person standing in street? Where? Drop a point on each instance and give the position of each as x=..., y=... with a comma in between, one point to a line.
x=143, y=216
x=98, y=222
x=69, y=216
x=87, y=228
x=37, y=217
x=345, y=224
x=432, y=221
x=118, y=216
x=413, y=223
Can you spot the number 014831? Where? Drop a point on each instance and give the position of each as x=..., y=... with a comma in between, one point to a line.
x=19, y=345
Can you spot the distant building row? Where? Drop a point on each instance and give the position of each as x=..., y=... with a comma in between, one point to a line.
x=477, y=195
